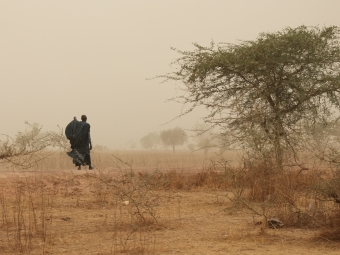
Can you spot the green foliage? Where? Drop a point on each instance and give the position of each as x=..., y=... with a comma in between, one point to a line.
x=263, y=92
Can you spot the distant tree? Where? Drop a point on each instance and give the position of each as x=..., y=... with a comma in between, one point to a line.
x=132, y=144
x=150, y=141
x=204, y=137
x=100, y=148
x=191, y=147
x=264, y=91
x=223, y=142
x=205, y=142
x=173, y=137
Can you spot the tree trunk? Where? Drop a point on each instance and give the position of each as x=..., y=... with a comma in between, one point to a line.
x=278, y=152
x=173, y=148
x=277, y=144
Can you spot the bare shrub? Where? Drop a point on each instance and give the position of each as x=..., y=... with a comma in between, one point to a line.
x=30, y=147
x=136, y=189
x=27, y=216
x=332, y=232
x=289, y=195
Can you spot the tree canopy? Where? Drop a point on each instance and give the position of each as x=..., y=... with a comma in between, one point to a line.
x=150, y=141
x=173, y=137
x=264, y=92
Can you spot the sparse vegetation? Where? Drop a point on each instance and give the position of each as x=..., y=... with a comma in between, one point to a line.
x=271, y=99
x=157, y=203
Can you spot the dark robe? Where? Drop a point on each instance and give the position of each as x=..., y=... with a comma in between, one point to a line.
x=78, y=132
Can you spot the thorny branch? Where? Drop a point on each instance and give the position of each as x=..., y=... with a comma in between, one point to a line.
x=30, y=147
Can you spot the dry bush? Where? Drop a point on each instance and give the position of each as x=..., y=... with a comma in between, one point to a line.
x=27, y=215
x=179, y=180
x=289, y=195
x=332, y=232
x=30, y=147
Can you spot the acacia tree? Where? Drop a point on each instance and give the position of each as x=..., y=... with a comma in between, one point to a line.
x=264, y=92
x=173, y=137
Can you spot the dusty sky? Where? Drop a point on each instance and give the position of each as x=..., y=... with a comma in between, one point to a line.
x=65, y=58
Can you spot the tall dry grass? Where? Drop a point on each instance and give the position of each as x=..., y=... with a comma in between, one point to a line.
x=142, y=160
x=26, y=214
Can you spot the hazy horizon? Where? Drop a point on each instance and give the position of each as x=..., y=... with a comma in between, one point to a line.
x=61, y=59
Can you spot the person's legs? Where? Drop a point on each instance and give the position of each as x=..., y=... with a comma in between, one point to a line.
x=88, y=161
x=90, y=165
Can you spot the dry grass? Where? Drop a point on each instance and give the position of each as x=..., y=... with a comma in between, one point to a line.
x=163, y=203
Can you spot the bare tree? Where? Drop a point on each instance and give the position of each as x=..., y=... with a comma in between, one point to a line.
x=30, y=147
x=173, y=137
x=264, y=92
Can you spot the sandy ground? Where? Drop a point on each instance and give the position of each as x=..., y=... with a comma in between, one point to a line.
x=85, y=219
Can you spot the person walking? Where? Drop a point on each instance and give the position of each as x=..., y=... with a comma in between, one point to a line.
x=78, y=132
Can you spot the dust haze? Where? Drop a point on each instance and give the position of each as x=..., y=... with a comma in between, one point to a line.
x=61, y=59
